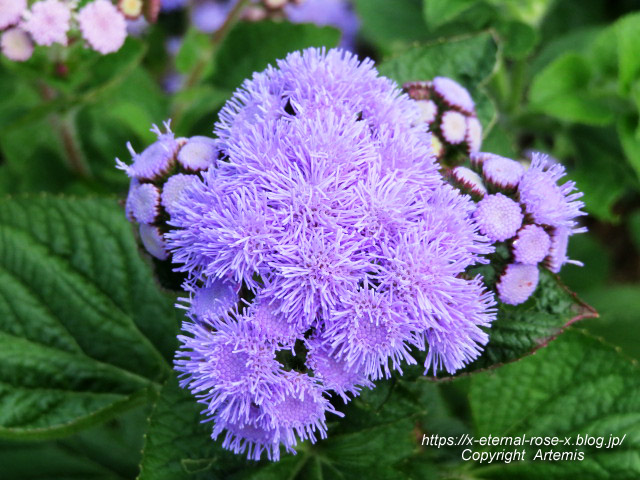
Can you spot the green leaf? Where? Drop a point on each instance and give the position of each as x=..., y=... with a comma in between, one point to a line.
x=577, y=385
x=388, y=24
x=627, y=132
x=530, y=12
x=521, y=330
x=193, y=45
x=108, y=451
x=376, y=439
x=178, y=444
x=519, y=38
x=599, y=170
x=440, y=12
x=267, y=41
x=197, y=104
x=84, y=331
x=627, y=33
x=619, y=321
x=562, y=91
x=470, y=60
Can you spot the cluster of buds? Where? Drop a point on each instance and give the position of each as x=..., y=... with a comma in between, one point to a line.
x=100, y=23
x=523, y=207
x=159, y=175
x=449, y=112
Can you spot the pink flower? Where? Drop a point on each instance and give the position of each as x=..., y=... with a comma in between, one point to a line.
x=17, y=45
x=48, y=22
x=10, y=12
x=103, y=26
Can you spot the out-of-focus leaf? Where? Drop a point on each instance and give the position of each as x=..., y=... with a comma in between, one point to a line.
x=519, y=38
x=195, y=104
x=439, y=12
x=577, y=385
x=627, y=132
x=193, y=46
x=108, y=451
x=530, y=12
x=596, y=270
x=627, y=34
x=562, y=91
x=619, y=321
x=389, y=23
x=599, y=169
x=84, y=330
x=267, y=41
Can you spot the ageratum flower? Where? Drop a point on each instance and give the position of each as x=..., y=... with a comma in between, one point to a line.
x=530, y=211
x=48, y=22
x=11, y=11
x=16, y=45
x=449, y=112
x=103, y=26
x=159, y=176
x=326, y=212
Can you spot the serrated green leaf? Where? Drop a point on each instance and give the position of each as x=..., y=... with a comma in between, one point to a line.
x=470, y=60
x=84, y=330
x=377, y=439
x=520, y=330
x=178, y=445
x=267, y=41
x=577, y=385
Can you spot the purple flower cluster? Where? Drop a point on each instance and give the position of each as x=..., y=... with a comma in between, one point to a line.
x=528, y=209
x=322, y=250
x=159, y=176
x=449, y=112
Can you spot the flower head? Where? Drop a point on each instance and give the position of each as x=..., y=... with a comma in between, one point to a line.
x=531, y=245
x=502, y=172
x=11, y=11
x=155, y=160
x=454, y=94
x=144, y=201
x=547, y=202
x=153, y=241
x=48, y=22
x=325, y=205
x=16, y=45
x=198, y=153
x=468, y=181
x=103, y=26
x=498, y=217
x=173, y=190
x=454, y=127
x=517, y=283
x=558, y=250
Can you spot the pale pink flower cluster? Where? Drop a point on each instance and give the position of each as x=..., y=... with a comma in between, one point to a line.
x=47, y=22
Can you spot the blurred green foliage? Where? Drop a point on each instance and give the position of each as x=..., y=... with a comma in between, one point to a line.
x=559, y=76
